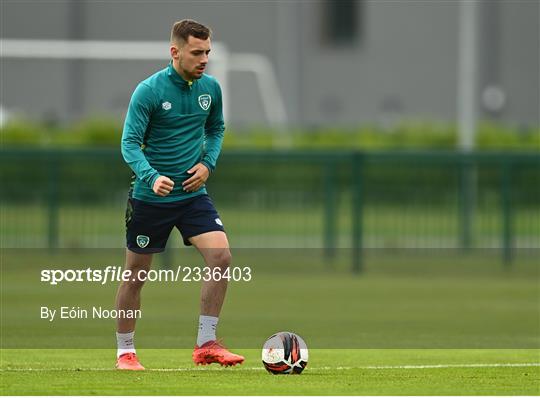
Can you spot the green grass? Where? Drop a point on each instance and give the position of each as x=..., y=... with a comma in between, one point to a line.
x=457, y=319
x=329, y=372
x=400, y=301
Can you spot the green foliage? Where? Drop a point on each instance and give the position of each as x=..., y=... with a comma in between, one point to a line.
x=93, y=132
x=495, y=136
x=106, y=132
x=24, y=133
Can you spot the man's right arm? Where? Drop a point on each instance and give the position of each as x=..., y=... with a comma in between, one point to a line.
x=142, y=105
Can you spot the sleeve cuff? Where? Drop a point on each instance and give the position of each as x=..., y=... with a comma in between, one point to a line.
x=152, y=180
x=208, y=165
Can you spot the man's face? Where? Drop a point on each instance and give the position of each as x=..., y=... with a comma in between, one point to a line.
x=191, y=58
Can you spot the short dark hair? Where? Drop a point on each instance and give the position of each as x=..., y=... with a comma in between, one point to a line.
x=181, y=31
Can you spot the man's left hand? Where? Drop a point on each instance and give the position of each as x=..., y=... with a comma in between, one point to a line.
x=199, y=176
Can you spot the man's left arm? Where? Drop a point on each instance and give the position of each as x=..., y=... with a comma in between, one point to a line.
x=213, y=138
x=214, y=128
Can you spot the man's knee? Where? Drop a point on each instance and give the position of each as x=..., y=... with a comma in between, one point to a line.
x=220, y=258
x=136, y=279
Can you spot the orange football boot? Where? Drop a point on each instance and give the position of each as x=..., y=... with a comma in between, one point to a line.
x=215, y=352
x=128, y=361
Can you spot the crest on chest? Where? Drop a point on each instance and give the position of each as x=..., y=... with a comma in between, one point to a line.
x=205, y=101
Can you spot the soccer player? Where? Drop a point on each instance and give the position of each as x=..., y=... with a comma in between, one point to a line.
x=171, y=140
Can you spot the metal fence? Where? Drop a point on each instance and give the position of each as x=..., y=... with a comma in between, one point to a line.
x=291, y=199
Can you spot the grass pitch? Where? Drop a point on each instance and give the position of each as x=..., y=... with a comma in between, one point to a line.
x=329, y=372
x=427, y=325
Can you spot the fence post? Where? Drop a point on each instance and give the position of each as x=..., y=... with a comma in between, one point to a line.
x=52, y=201
x=330, y=211
x=466, y=200
x=506, y=202
x=357, y=211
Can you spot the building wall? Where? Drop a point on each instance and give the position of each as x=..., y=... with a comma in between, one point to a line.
x=402, y=64
x=519, y=60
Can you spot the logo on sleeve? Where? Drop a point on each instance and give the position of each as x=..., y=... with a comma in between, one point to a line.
x=142, y=241
x=166, y=105
x=204, y=101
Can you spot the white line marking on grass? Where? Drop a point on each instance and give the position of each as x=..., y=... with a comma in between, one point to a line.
x=375, y=367
x=446, y=366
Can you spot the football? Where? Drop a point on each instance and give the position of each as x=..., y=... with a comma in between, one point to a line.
x=285, y=353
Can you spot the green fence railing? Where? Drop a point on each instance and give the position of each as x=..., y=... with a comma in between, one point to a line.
x=298, y=199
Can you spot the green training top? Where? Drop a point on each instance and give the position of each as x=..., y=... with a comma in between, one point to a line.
x=171, y=125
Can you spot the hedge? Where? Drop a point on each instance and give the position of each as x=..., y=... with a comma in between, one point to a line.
x=106, y=132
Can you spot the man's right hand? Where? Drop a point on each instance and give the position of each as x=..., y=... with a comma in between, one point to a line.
x=163, y=186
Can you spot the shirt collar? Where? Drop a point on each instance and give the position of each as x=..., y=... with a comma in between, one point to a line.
x=175, y=77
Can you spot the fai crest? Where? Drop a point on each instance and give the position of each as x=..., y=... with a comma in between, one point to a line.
x=204, y=101
x=142, y=241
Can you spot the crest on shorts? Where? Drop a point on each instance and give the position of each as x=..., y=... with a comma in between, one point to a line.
x=142, y=241
x=204, y=101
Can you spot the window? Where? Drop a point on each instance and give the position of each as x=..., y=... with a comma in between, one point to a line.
x=341, y=21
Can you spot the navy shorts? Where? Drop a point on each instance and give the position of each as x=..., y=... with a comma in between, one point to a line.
x=148, y=225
